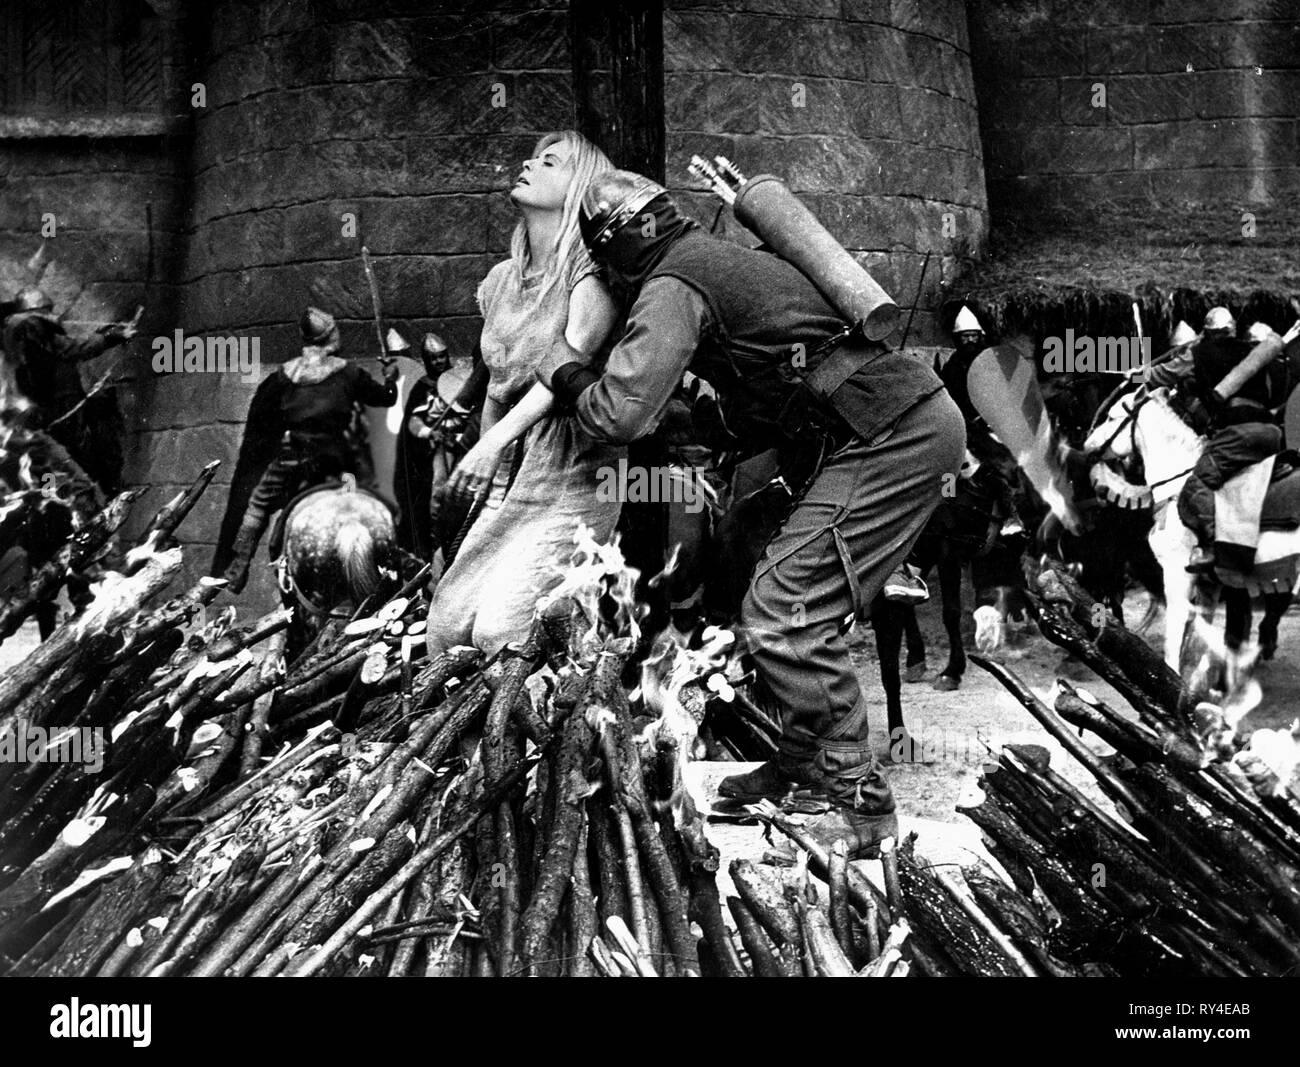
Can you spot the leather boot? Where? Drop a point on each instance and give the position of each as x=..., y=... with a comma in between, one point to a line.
x=236, y=573
x=774, y=780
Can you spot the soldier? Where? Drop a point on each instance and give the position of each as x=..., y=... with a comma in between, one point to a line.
x=45, y=366
x=1243, y=431
x=295, y=437
x=880, y=442
x=990, y=464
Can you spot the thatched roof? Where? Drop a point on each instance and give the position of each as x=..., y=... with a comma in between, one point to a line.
x=1085, y=269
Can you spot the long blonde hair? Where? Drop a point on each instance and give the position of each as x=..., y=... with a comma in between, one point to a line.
x=570, y=253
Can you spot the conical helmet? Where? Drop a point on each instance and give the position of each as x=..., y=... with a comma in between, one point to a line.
x=1183, y=335
x=319, y=328
x=33, y=299
x=966, y=322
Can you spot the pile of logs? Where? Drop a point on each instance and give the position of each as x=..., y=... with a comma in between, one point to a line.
x=1192, y=869
x=1199, y=873
x=367, y=810
x=360, y=810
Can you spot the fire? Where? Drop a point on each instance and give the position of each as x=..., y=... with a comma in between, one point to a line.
x=676, y=680
x=598, y=574
x=1279, y=751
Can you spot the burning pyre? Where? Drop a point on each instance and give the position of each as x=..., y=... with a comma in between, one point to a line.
x=362, y=810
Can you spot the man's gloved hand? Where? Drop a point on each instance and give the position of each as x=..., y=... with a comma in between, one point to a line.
x=391, y=373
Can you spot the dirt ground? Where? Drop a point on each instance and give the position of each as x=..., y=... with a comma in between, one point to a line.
x=952, y=726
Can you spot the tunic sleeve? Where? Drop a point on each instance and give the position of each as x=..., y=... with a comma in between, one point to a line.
x=370, y=392
x=644, y=368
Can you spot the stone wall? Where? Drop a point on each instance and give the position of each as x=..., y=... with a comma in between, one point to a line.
x=378, y=110
x=383, y=111
x=94, y=164
x=1200, y=102
x=865, y=107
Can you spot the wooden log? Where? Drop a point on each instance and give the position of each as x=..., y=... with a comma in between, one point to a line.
x=297, y=892
x=1078, y=907
x=1109, y=782
x=174, y=512
x=177, y=612
x=930, y=958
x=611, y=896
x=890, y=958
x=961, y=893
x=765, y=898
x=256, y=730
x=1137, y=661
x=127, y=678
x=968, y=942
x=1060, y=628
x=1095, y=836
x=75, y=555
x=118, y=907
x=1233, y=846
x=112, y=607
x=1140, y=743
x=838, y=880
x=557, y=863
x=412, y=867
x=1017, y=914
x=763, y=956
x=338, y=902
x=828, y=957
x=583, y=923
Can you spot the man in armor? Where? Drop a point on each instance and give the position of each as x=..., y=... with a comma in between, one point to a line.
x=1243, y=429
x=295, y=437
x=45, y=363
x=875, y=444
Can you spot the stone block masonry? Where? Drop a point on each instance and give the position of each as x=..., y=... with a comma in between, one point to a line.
x=867, y=109
x=1170, y=102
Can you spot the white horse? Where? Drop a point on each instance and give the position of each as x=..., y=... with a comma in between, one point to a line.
x=1169, y=448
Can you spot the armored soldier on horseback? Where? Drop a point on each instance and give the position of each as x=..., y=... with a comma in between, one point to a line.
x=296, y=437
x=1234, y=390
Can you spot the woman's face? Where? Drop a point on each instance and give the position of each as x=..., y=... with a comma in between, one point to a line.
x=544, y=180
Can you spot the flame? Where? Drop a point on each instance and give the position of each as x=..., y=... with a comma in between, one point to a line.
x=598, y=573
x=667, y=671
x=1280, y=752
x=599, y=579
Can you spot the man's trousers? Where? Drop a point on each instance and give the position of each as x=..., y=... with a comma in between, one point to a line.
x=863, y=511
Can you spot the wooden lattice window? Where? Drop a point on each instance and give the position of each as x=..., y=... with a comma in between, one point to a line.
x=96, y=66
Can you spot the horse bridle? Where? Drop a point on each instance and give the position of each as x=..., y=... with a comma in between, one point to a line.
x=1130, y=420
x=287, y=585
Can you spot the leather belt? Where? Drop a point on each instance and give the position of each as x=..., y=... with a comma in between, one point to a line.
x=839, y=366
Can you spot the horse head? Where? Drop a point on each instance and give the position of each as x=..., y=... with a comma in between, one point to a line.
x=1140, y=449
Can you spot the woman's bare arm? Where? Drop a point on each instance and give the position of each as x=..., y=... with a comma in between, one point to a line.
x=591, y=317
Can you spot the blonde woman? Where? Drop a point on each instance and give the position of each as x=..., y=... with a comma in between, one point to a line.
x=547, y=291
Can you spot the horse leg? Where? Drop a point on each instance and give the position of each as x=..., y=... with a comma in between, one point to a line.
x=1236, y=619
x=1172, y=543
x=888, y=621
x=915, y=645
x=47, y=618
x=1275, y=605
x=950, y=592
